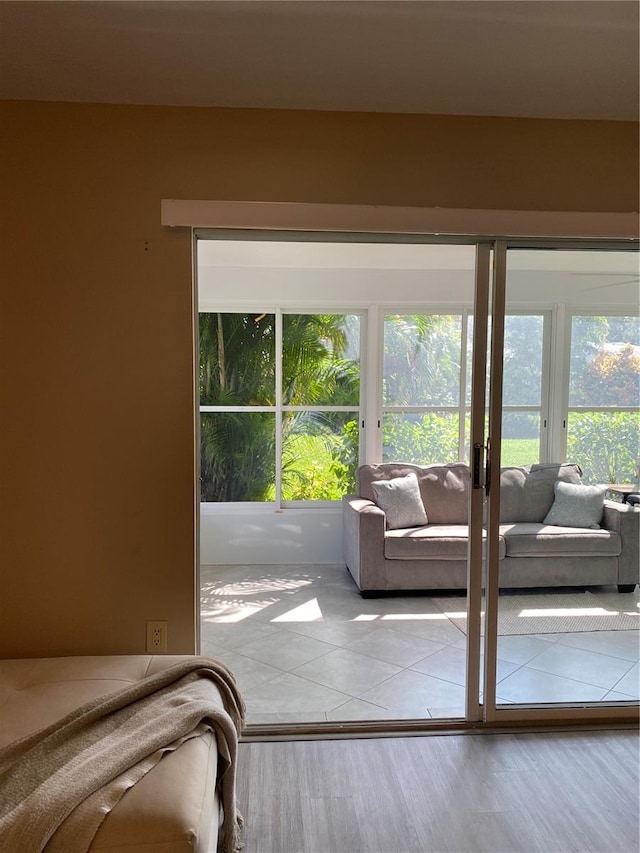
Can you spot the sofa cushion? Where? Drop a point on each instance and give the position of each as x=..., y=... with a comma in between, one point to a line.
x=531, y=539
x=433, y=542
x=445, y=493
x=401, y=501
x=576, y=505
x=444, y=488
x=527, y=493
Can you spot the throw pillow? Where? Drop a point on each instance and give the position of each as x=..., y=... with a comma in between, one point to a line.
x=576, y=506
x=401, y=501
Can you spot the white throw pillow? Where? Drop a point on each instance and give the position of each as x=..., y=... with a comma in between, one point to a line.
x=401, y=501
x=576, y=505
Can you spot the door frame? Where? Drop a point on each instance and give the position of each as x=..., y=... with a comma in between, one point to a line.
x=491, y=230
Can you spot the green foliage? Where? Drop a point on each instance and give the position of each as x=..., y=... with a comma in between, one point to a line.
x=421, y=439
x=237, y=456
x=237, y=368
x=614, y=378
x=237, y=359
x=421, y=359
x=606, y=445
x=523, y=360
x=600, y=377
x=321, y=466
x=320, y=367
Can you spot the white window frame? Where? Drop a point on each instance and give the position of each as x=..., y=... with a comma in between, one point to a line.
x=279, y=408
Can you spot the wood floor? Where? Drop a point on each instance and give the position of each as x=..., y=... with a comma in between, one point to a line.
x=569, y=792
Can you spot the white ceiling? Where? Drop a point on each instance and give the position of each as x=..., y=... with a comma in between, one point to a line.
x=574, y=59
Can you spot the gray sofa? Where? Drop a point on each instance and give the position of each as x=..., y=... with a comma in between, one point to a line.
x=532, y=554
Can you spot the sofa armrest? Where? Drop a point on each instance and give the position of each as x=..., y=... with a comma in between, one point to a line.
x=624, y=519
x=364, y=525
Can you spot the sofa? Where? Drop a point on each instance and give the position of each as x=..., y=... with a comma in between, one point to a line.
x=537, y=548
x=183, y=786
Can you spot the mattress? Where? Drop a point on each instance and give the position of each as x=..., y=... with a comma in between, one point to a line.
x=175, y=807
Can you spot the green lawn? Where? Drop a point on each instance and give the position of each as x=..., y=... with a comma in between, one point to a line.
x=309, y=475
x=519, y=451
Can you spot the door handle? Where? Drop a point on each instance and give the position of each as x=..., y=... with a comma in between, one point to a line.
x=487, y=471
x=477, y=465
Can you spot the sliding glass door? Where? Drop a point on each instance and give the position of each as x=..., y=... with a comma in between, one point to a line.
x=521, y=363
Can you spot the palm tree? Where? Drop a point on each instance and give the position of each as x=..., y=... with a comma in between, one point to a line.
x=237, y=368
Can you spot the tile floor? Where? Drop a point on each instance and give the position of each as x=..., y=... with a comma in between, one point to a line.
x=305, y=647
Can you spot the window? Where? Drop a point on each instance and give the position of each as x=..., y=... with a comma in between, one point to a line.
x=279, y=406
x=524, y=419
x=421, y=388
x=426, y=418
x=282, y=415
x=603, y=426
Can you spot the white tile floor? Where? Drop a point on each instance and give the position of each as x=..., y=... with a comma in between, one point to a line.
x=305, y=647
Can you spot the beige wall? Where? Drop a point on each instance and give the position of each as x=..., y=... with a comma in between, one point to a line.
x=96, y=391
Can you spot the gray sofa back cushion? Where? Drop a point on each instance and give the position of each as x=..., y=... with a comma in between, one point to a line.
x=444, y=488
x=526, y=494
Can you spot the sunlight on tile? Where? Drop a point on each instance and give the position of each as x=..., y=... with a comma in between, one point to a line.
x=422, y=616
x=309, y=612
x=234, y=612
x=262, y=585
x=304, y=645
x=569, y=611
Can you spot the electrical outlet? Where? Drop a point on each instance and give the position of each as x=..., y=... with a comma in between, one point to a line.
x=156, y=638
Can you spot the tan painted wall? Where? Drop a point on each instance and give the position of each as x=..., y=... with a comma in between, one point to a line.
x=96, y=391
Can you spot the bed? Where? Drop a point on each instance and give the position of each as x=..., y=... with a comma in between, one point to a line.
x=129, y=753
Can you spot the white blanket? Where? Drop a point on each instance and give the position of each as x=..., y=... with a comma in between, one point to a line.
x=58, y=784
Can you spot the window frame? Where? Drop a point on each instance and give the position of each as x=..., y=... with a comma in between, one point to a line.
x=463, y=408
x=570, y=314
x=279, y=408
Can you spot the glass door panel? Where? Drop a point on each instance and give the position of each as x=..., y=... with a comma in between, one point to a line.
x=307, y=371
x=567, y=614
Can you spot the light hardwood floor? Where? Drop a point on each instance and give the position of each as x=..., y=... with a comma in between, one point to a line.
x=558, y=792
